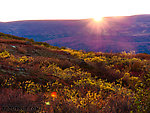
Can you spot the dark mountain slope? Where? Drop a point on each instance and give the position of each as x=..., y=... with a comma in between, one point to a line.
x=114, y=34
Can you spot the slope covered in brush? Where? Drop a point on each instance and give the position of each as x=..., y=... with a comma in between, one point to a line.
x=47, y=78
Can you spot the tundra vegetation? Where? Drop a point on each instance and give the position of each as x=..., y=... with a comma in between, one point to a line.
x=37, y=77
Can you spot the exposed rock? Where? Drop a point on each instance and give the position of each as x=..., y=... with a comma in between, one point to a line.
x=13, y=46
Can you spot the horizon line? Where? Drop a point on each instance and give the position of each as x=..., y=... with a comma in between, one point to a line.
x=61, y=19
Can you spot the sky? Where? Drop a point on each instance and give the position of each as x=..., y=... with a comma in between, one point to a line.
x=13, y=10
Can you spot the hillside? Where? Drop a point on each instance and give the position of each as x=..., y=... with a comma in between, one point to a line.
x=114, y=34
x=38, y=77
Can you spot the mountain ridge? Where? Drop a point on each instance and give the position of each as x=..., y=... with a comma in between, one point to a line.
x=82, y=33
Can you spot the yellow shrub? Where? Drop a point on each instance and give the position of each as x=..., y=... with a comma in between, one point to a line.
x=4, y=54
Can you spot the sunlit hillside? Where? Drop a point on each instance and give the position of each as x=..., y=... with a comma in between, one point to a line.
x=38, y=77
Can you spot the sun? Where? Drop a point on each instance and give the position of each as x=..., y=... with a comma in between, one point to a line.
x=98, y=19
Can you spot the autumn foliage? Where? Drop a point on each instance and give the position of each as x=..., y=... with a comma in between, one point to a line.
x=36, y=77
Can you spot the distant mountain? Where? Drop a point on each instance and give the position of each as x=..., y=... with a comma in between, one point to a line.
x=113, y=34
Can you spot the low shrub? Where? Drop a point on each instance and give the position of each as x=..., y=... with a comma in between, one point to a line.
x=13, y=100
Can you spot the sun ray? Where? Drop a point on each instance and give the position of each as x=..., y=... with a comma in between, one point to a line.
x=97, y=26
x=98, y=19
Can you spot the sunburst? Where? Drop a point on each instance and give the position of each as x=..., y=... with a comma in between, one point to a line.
x=98, y=19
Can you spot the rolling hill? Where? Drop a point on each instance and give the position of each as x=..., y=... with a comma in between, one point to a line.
x=38, y=77
x=113, y=34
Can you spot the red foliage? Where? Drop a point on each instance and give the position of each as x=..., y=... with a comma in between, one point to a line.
x=15, y=101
